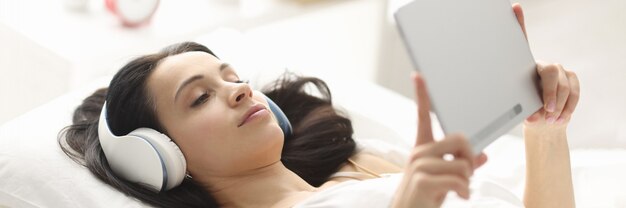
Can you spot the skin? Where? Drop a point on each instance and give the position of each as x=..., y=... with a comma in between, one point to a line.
x=240, y=164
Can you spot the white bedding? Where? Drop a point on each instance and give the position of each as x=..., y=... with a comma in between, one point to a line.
x=379, y=192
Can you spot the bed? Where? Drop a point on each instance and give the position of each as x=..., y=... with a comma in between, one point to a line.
x=34, y=172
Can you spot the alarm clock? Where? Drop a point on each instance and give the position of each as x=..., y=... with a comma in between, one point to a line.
x=132, y=13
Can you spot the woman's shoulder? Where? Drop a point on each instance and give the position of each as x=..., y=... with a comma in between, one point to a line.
x=376, y=163
x=376, y=192
x=364, y=165
x=330, y=194
x=379, y=192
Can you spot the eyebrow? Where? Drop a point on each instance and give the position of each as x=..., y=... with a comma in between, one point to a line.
x=194, y=78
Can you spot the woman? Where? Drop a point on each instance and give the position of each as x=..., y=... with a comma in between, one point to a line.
x=238, y=159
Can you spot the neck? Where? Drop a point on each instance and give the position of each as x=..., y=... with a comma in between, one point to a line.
x=262, y=187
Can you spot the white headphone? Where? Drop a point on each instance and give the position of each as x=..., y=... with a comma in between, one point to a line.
x=151, y=158
x=144, y=156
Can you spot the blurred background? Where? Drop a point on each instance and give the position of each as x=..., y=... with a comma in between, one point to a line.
x=50, y=47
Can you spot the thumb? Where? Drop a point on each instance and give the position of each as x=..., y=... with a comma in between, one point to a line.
x=519, y=13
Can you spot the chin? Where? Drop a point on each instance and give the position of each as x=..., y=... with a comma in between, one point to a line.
x=271, y=139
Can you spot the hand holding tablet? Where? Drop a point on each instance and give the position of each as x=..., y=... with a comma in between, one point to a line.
x=481, y=75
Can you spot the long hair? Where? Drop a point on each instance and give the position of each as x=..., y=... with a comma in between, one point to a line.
x=322, y=137
x=320, y=143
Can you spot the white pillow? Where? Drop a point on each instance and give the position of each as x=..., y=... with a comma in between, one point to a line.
x=34, y=170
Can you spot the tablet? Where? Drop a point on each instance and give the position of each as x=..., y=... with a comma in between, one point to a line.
x=477, y=64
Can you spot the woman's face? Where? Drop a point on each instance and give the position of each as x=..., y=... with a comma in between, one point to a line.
x=222, y=127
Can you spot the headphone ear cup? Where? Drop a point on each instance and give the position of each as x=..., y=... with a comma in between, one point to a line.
x=172, y=158
x=280, y=116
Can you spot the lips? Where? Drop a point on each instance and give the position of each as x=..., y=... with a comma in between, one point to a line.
x=250, y=113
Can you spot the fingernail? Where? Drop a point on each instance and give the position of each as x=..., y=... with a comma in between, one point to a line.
x=551, y=106
x=550, y=119
x=560, y=120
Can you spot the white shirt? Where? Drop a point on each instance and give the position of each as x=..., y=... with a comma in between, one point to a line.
x=379, y=192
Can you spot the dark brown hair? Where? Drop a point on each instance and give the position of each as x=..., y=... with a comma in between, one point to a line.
x=320, y=143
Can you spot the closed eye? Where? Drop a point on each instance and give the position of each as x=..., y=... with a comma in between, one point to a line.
x=202, y=99
x=205, y=96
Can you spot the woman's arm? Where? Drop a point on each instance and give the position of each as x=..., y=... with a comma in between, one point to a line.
x=548, y=173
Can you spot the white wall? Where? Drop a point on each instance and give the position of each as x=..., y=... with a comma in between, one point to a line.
x=22, y=62
x=341, y=41
x=40, y=61
x=588, y=37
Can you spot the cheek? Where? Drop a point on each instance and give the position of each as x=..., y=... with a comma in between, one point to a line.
x=203, y=136
x=207, y=129
x=204, y=123
x=259, y=97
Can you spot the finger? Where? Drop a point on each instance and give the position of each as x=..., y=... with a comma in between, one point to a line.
x=480, y=160
x=441, y=184
x=455, y=144
x=572, y=100
x=549, y=75
x=519, y=13
x=535, y=116
x=424, y=129
x=563, y=90
x=439, y=166
x=463, y=149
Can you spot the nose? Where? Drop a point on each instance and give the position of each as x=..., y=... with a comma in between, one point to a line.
x=240, y=93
